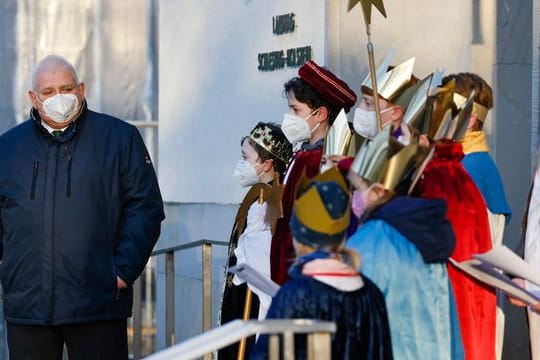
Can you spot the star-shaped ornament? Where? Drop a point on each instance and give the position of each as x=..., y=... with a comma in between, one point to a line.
x=366, y=7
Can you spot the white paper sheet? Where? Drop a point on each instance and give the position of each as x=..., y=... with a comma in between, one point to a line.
x=255, y=278
x=505, y=259
x=491, y=276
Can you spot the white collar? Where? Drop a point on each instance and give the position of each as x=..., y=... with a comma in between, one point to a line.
x=50, y=129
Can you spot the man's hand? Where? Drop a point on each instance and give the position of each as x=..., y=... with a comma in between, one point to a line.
x=121, y=284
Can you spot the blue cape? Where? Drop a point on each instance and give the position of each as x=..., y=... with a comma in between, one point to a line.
x=485, y=175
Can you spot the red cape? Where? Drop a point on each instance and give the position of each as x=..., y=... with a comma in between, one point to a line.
x=282, y=252
x=445, y=178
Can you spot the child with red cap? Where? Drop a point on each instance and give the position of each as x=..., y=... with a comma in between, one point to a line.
x=315, y=98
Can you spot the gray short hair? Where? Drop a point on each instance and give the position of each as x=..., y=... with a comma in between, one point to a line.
x=49, y=63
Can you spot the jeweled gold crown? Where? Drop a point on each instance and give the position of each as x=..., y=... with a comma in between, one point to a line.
x=272, y=141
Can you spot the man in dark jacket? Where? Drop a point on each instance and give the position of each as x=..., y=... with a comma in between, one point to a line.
x=80, y=213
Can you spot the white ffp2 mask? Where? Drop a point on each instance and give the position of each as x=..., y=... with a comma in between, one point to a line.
x=295, y=128
x=365, y=122
x=60, y=107
x=246, y=173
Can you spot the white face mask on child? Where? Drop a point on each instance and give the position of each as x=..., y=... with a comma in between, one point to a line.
x=365, y=122
x=246, y=173
x=296, y=129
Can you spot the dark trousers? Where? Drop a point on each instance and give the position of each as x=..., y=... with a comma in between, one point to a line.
x=100, y=340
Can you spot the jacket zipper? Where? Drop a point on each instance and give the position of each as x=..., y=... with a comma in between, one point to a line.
x=68, y=180
x=34, y=180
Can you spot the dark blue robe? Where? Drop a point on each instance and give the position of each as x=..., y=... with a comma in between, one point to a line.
x=362, y=323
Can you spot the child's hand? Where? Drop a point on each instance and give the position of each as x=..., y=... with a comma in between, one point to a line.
x=513, y=300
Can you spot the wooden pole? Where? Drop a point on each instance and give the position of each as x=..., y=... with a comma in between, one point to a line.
x=245, y=317
x=373, y=75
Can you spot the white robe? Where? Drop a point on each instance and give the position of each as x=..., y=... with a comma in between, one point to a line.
x=532, y=256
x=254, y=249
x=496, y=227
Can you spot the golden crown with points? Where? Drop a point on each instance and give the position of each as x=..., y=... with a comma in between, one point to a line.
x=391, y=83
x=338, y=137
x=414, y=99
x=272, y=141
x=386, y=161
x=453, y=123
x=478, y=110
x=440, y=109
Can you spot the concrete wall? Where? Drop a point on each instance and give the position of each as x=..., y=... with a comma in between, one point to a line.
x=514, y=135
x=211, y=95
x=211, y=91
x=413, y=28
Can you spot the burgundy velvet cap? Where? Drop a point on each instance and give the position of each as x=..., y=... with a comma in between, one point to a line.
x=328, y=85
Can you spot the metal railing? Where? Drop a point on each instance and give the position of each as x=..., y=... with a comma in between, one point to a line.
x=206, y=247
x=144, y=123
x=318, y=339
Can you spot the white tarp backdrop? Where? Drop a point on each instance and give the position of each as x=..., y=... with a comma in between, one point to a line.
x=110, y=43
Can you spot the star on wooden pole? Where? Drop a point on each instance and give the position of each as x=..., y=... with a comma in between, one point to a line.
x=366, y=10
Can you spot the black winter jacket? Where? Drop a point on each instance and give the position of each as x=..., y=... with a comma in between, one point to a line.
x=76, y=211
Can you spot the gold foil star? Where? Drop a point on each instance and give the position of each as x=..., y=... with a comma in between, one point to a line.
x=366, y=8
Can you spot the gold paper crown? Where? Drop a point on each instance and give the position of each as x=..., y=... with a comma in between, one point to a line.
x=338, y=137
x=460, y=122
x=332, y=174
x=386, y=161
x=370, y=162
x=440, y=107
x=310, y=208
x=478, y=110
x=414, y=100
x=391, y=83
x=454, y=127
x=276, y=144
